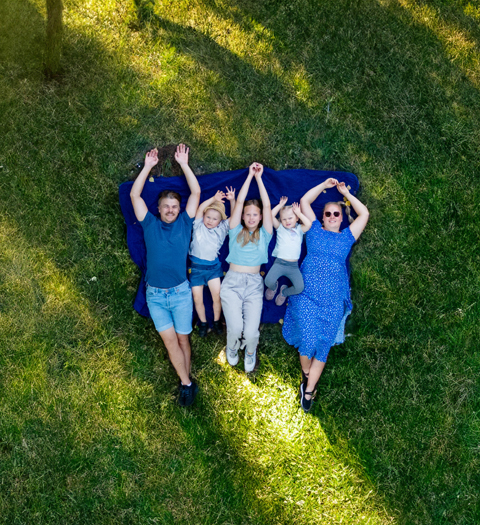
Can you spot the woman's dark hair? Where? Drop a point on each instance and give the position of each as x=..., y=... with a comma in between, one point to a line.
x=167, y=194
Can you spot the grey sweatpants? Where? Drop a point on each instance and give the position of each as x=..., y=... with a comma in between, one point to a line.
x=288, y=269
x=242, y=302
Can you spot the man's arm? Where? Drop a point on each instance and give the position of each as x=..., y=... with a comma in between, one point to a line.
x=181, y=156
x=139, y=206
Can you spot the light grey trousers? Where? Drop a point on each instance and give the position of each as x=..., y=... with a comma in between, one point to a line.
x=242, y=303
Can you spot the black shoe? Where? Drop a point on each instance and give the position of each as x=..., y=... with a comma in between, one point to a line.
x=218, y=327
x=305, y=382
x=187, y=394
x=305, y=403
x=203, y=329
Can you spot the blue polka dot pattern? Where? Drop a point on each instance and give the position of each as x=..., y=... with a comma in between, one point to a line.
x=315, y=319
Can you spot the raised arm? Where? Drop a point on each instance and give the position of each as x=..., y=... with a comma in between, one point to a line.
x=219, y=196
x=275, y=211
x=236, y=216
x=139, y=206
x=181, y=156
x=267, y=209
x=311, y=195
x=306, y=222
x=358, y=225
x=230, y=196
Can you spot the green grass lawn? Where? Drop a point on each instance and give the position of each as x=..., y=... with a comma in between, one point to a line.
x=90, y=431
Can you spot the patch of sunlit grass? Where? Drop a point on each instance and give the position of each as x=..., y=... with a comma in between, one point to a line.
x=459, y=45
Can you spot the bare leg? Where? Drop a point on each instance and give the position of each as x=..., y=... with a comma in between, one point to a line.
x=197, y=292
x=316, y=369
x=305, y=363
x=214, y=287
x=177, y=353
x=184, y=342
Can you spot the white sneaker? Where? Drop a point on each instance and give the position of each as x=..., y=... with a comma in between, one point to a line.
x=232, y=356
x=250, y=361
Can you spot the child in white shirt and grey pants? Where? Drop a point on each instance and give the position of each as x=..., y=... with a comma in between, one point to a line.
x=287, y=251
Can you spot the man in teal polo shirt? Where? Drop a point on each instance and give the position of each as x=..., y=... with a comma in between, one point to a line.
x=167, y=239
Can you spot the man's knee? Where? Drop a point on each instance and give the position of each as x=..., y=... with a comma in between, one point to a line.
x=183, y=339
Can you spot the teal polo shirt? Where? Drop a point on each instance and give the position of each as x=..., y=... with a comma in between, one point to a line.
x=167, y=248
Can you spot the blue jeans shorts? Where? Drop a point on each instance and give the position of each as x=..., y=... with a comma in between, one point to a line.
x=171, y=307
x=200, y=274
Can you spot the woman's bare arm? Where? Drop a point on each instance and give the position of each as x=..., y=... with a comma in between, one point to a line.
x=358, y=225
x=311, y=196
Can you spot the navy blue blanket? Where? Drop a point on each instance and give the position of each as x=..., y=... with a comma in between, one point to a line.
x=292, y=183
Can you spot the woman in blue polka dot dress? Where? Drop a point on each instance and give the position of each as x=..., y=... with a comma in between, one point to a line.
x=315, y=319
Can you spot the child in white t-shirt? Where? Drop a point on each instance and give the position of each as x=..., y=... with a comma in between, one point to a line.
x=209, y=231
x=287, y=251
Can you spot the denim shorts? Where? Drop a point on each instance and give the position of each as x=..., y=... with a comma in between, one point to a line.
x=171, y=307
x=200, y=274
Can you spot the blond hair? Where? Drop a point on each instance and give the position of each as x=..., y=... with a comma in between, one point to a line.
x=289, y=207
x=244, y=236
x=216, y=206
x=341, y=205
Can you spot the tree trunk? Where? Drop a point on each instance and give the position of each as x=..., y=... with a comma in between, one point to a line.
x=54, y=38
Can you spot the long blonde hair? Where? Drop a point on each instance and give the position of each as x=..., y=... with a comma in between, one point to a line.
x=342, y=205
x=244, y=236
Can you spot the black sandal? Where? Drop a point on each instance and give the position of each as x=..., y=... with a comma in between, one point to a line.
x=307, y=403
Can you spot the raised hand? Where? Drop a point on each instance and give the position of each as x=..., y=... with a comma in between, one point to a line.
x=181, y=155
x=296, y=209
x=330, y=183
x=252, y=169
x=283, y=201
x=230, y=195
x=219, y=196
x=151, y=158
x=342, y=188
x=258, y=169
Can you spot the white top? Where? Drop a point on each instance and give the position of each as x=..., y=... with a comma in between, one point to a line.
x=206, y=242
x=289, y=243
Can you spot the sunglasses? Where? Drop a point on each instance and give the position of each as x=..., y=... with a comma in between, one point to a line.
x=334, y=213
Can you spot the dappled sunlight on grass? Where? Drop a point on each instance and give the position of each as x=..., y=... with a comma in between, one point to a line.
x=459, y=46
x=286, y=454
x=60, y=354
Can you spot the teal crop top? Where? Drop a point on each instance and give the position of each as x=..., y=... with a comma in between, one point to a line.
x=252, y=254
